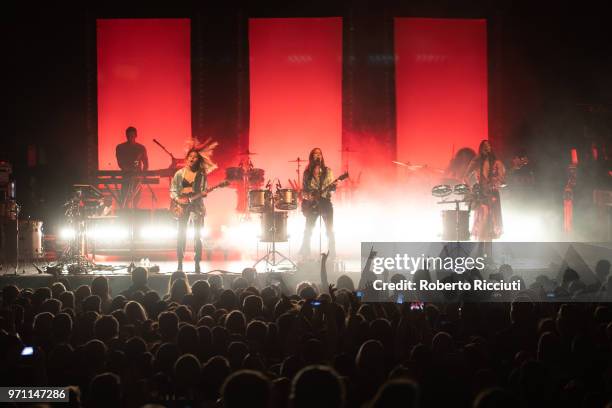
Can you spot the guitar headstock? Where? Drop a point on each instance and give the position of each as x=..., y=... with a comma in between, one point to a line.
x=224, y=183
x=343, y=176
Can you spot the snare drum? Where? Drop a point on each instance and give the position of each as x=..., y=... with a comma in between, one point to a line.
x=260, y=200
x=286, y=199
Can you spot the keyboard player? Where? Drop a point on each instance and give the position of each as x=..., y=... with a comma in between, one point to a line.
x=132, y=159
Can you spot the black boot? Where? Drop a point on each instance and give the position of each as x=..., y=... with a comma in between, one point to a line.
x=179, y=267
x=197, y=267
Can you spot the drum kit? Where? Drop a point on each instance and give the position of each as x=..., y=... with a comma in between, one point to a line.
x=273, y=206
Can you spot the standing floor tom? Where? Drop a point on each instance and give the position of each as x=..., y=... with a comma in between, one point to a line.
x=30, y=240
x=274, y=226
x=449, y=225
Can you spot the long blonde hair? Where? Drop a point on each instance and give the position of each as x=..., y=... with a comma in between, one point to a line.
x=205, y=151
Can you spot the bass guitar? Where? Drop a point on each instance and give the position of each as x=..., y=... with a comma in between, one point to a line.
x=178, y=208
x=311, y=201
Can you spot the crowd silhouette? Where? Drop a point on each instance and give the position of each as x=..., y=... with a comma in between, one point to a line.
x=260, y=343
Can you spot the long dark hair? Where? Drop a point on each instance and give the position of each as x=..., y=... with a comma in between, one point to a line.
x=200, y=158
x=309, y=171
x=490, y=157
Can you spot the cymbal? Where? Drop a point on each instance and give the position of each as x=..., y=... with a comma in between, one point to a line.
x=298, y=160
x=400, y=163
x=247, y=153
x=416, y=167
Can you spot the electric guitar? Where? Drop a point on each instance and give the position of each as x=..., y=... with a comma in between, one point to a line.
x=311, y=201
x=178, y=209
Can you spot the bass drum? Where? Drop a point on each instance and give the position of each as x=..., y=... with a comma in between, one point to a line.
x=30, y=240
x=274, y=226
x=449, y=225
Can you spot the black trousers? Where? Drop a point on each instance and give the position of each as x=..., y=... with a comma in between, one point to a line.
x=198, y=223
x=325, y=210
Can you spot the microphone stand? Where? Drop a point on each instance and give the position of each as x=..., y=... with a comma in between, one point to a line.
x=166, y=150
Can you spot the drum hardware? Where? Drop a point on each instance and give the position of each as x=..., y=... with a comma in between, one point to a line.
x=298, y=163
x=274, y=229
x=247, y=178
x=274, y=223
x=74, y=257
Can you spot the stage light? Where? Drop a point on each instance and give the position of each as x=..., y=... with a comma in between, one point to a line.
x=522, y=228
x=67, y=233
x=111, y=233
x=204, y=233
x=244, y=231
x=158, y=233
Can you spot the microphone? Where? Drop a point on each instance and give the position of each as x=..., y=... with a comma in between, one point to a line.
x=269, y=185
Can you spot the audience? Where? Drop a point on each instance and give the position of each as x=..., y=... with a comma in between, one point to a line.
x=259, y=344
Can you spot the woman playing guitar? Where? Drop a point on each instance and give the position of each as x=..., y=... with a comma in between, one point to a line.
x=187, y=189
x=318, y=184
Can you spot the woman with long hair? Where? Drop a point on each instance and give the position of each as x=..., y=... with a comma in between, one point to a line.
x=489, y=174
x=316, y=190
x=187, y=190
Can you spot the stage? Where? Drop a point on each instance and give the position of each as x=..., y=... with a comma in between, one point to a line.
x=528, y=260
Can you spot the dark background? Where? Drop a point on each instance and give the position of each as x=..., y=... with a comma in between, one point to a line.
x=550, y=85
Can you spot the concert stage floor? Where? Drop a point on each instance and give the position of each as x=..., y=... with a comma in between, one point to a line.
x=119, y=277
x=581, y=257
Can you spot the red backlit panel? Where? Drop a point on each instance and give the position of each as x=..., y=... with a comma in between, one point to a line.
x=144, y=80
x=441, y=88
x=296, y=92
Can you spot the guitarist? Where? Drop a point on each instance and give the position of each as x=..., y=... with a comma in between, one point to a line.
x=316, y=200
x=190, y=180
